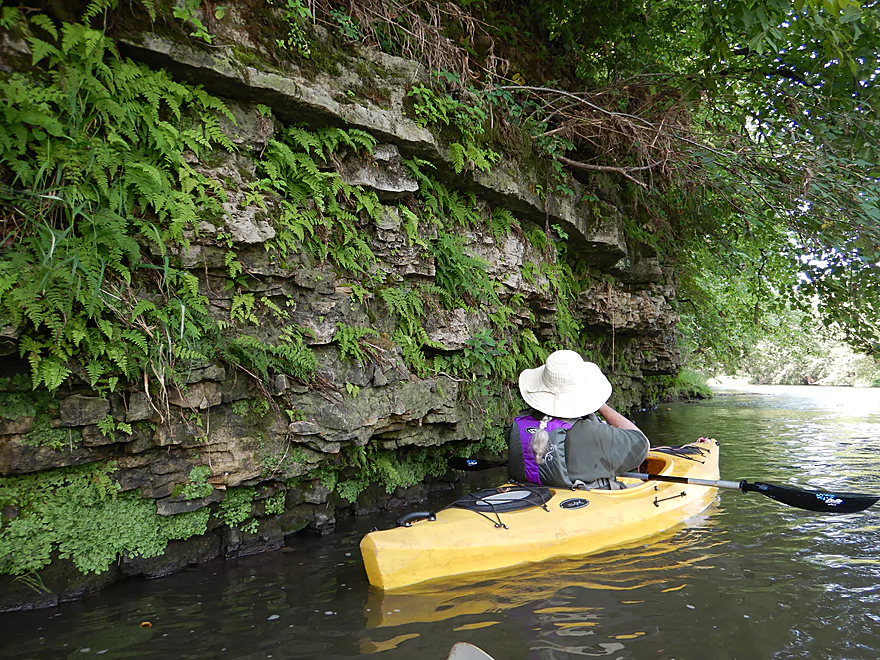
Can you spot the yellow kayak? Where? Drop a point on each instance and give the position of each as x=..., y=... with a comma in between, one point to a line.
x=570, y=523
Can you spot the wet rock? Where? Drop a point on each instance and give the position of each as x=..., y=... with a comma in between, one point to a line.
x=251, y=129
x=240, y=463
x=117, y=406
x=395, y=251
x=248, y=225
x=324, y=521
x=370, y=500
x=205, y=372
x=404, y=497
x=289, y=522
x=18, y=457
x=640, y=267
x=320, y=316
x=197, y=255
x=177, y=556
x=316, y=493
x=92, y=436
x=321, y=281
x=454, y=329
x=18, y=426
x=238, y=386
x=237, y=543
x=595, y=235
x=280, y=385
x=154, y=475
x=140, y=442
x=379, y=377
x=639, y=311
x=139, y=407
x=318, y=443
x=161, y=488
x=159, y=462
x=304, y=428
x=504, y=257
x=171, y=506
x=292, y=97
x=59, y=582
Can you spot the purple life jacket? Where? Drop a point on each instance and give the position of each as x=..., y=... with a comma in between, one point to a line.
x=554, y=467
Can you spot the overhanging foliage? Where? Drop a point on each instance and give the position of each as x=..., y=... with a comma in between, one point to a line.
x=745, y=134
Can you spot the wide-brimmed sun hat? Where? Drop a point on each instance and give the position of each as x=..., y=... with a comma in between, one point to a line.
x=565, y=386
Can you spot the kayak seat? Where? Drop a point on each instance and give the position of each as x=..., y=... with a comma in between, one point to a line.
x=656, y=463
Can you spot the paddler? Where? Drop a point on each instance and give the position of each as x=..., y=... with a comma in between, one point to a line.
x=561, y=441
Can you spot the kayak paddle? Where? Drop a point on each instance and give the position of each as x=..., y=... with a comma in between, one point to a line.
x=810, y=500
x=474, y=464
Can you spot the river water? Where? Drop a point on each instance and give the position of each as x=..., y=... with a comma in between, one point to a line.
x=749, y=578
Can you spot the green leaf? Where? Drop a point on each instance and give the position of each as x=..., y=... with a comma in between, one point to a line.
x=40, y=20
x=41, y=49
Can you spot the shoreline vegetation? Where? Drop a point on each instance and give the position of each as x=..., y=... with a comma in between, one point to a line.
x=834, y=365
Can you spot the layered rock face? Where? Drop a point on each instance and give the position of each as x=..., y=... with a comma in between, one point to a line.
x=275, y=436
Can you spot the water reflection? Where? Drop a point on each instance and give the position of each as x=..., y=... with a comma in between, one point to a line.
x=549, y=598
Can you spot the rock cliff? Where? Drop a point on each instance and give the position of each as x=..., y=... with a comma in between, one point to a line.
x=399, y=349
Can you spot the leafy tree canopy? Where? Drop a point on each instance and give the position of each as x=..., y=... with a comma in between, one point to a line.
x=748, y=132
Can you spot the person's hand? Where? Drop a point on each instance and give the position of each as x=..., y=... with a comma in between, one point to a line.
x=614, y=418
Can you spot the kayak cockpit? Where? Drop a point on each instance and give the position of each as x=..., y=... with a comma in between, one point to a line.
x=656, y=463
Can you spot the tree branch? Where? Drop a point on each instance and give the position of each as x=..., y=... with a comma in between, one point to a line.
x=625, y=171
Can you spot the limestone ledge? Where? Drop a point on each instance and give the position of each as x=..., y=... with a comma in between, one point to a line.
x=295, y=98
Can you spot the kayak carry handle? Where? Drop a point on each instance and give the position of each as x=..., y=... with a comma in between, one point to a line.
x=408, y=519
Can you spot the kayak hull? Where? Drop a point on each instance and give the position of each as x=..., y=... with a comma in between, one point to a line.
x=460, y=541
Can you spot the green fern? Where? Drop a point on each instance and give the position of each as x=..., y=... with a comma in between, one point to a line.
x=461, y=278
x=291, y=356
x=242, y=308
x=319, y=212
x=351, y=342
x=97, y=170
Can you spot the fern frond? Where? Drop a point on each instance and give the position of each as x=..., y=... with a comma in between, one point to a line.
x=40, y=50
x=45, y=23
x=306, y=140
x=363, y=139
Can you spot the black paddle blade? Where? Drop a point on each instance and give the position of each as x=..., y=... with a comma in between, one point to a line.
x=813, y=500
x=473, y=464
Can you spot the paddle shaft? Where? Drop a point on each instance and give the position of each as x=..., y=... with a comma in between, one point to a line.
x=715, y=483
x=809, y=500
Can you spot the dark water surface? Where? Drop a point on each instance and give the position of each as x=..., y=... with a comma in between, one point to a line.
x=749, y=578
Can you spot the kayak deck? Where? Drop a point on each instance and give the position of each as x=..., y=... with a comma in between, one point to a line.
x=575, y=522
